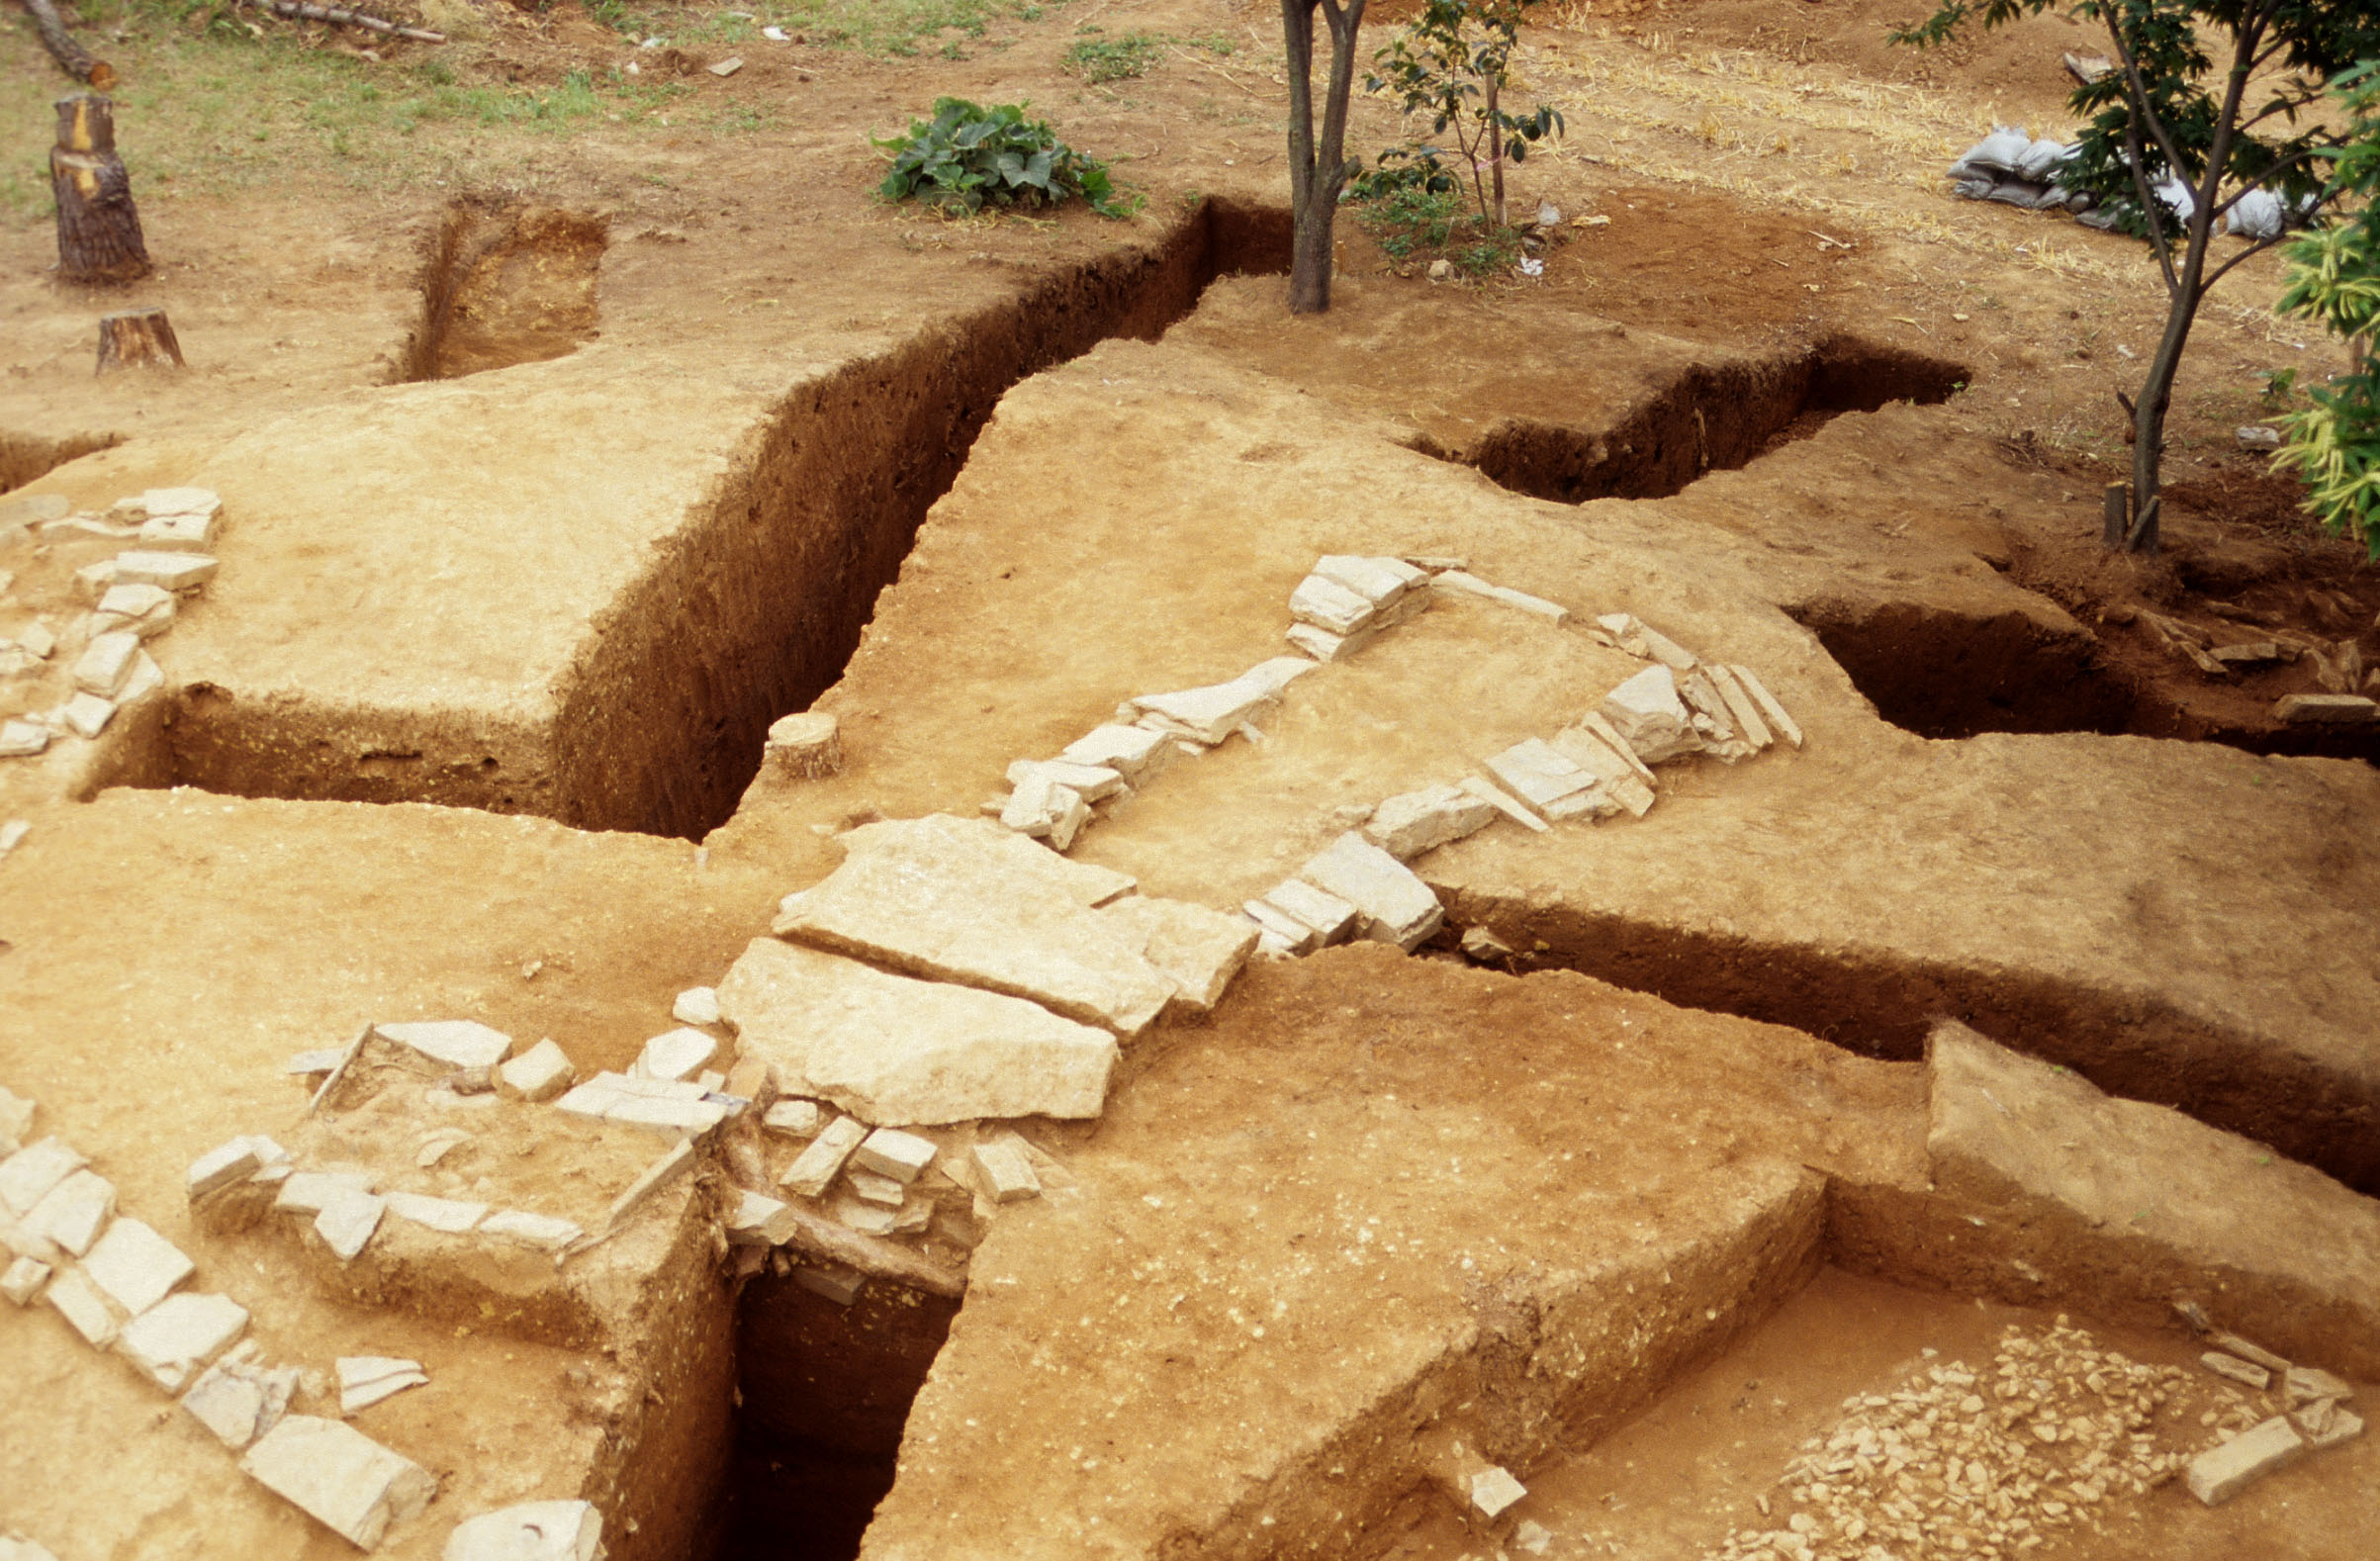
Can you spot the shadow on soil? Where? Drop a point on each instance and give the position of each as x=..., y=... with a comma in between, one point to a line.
x=1709, y=420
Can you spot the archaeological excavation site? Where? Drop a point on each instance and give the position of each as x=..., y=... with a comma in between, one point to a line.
x=702, y=864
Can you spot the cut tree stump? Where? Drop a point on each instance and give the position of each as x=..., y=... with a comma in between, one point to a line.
x=140, y=339
x=98, y=229
x=804, y=747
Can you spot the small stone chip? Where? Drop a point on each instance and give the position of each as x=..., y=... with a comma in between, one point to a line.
x=1493, y=1491
x=888, y=1151
x=696, y=1005
x=540, y=1074
x=1006, y=1172
x=794, y=1119
x=23, y=1279
x=760, y=1221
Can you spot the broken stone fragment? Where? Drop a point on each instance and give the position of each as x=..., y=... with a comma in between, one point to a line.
x=1198, y=950
x=1136, y=753
x=675, y=1110
x=1211, y=714
x=221, y=1167
x=27, y=1176
x=177, y=533
x=1466, y=584
x=837, y=1282
x=173, y=1340
x=1043, y=809
x=1649, y=716
x=1614, y=771
x=314, y=1060
x=1397, y=907
x=822, y=1161
x=2247, y=653
x=794, y=1119
x=1005, y=1172
x=106, y=664
x=309, y=1192
x=540, y=1074
x=868, y=1218
x=870, y=1187
x=1330, y=605
x=155, y=502
x=2302, y=1384
x=1545, y=777
x=347, y=1221
x=1091, y=783
x=22, y=739
x=1280, y=935
x=2223, y=1471
x=79, y=1302
x=1379, y=579
x=1324, y=646
x=2325, y=710
x=457, y=1043
x=1332, y=919
x=2327, y=1424
x=520, y=1228
x=1637, y=638
x=1413, y=822
x=2248, y=1350
x=676, y=1055
x=893, y=1049
x=134, y=1266
x=22, y=1279
x=1493, y=1491
x=2238, y=1370
x=1505, y=803
x=1770, y=711
x=72, y=1212
x=92, y=581
x=175, y=572
x=239, y=1400
x=141, y=610
x=696, y=1005
x=339, y=1477
x=365, y=1380
x=888, y=1151
x=449, y=1215
x=531, y=1531
x=807, y=746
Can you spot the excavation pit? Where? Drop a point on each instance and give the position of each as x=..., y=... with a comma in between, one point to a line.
x=503, y=284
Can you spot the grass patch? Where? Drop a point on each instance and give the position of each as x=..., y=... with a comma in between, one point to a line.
x=1098, y=59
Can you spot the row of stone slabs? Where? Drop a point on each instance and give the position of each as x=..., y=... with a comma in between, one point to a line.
x=120, y=1286
x=134, y=598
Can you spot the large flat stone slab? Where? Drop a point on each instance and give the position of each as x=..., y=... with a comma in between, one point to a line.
x=963, y=900
x=894, y=1050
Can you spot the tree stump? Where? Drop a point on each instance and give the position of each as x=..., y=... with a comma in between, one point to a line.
x=98, y=229
x=804, y=747
x=142, y=338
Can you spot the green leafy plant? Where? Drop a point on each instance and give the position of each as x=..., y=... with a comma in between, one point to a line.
x=1451, y=62
x=1413, y=218
x=2174, y=140
x=2335, y=278
x=2279, y=386
x=1098, y=59
x=968, y=157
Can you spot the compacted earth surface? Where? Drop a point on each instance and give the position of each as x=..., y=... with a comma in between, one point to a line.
x=699, y=865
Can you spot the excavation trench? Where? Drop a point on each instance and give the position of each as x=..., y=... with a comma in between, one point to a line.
x=1882, y=1005
x=503, y=283
x=752, y=609
x=1710, y=418
x=1952, y=674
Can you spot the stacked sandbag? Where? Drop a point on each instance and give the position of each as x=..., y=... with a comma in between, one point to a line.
x=2014, y=169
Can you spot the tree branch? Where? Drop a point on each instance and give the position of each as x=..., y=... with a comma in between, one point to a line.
x=2225, y=269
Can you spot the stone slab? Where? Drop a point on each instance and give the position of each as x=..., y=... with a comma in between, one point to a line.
x=175, y=1340
x=1616, y=771
x=565, y=1530
x=1330, y=605
x=339, y=1477
x=1546, y=779
x=814, y=1167
x=1412, y=822
x=1198, y=950
x=1505, y=803
x=22, y=1279
x=1213, y=713
x=894, y=1050
x=2223, y=1471
x=1397, y=906
x=542, y=1232
x=222, y=1165
x=943, y=897
x=27, y=1176
x=448, y=1216
x=1770, y=711
x=676, y=1056
x=1378, y=579
x=793, y=1119
x=1327, y=917
x=457, y=1043
x=1136, y=753
x=347, y=1221
x=239, y=1400
x=85, y=1310
x=757, y=1219
x=888, y=1151
x=1648, y=714
x=2325, y=710
x=1005, y=1172
x=134, y=1266
x=540, y=1074
x=73, y=1213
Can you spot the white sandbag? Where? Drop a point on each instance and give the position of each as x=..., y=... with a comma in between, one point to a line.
x=1996, y=154
x=2255, y=215
x=2040, y=162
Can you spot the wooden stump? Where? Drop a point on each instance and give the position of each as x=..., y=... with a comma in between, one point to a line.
x=142, y=338
x=98, y=229
x=806, y=747
x=2115, y=513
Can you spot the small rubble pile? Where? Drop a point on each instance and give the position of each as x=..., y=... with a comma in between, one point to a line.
x=1995, y=1464
x=2339, y=668
x=133, y=599
x=2309, y=1408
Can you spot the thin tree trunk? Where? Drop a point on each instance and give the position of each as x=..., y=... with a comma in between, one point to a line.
x=1495, y=151
x=1318, y=165
x=98, y=226
x=72, y=58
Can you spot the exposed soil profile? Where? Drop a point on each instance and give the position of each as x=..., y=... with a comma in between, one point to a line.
x=25, y=457
x=1709, y=419
x=503, y=284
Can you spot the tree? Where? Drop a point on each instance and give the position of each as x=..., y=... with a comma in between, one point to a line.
x=1319, y=168
x=2163, y=114
x=2335, y=278
x=1438, y=66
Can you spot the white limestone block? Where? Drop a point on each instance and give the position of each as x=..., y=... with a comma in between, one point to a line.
x=25, y=1550
x=338, y=1476
x=16, y=1112
x=531, y=1531
x=448, y=1216
x=1542, y=776
x=1505, y=802
x=1741, y=706
x=22, y=739
x=868, y=1185
x=134, y=1266
x=1199, y=950
x=793, y=1119
x=177, y=533
x=678, y=1054
x=1494, y=1490
x=146, y=678
x=1397, y=906
x=1005, y=1172
x=1043, y=809
x=36, y=637
x=520, y=1228
x=696, y=1005
x=1649, y=716
x=457, y=1043
x=868, y=1218
x=23, y=1280
x=1324, y=646
x=1413, y=822
x=1136, y=753
x=895, y=1049
x=87, y=715
x=1213, y=713
x=365, y=1380
x=176, y=572
x=837, y=1282
x=73, y=1212
x=311, y=1192
x=1279, y=934
x=819, y=1164
x=106, y=664
x=1467, y=583
x=1379, y=581
x=348, y=1222
x=27, y=1176
x=173, y=1340
x=1711, y=718
x=79, y=1302
x=888, y=1151
x=221, y=1167
x=1332, y=918
x=540, y=1074
x=757, y=1219
x=1092, y=783
x=2224, y=1470
x=671, y=1119
x=1614, y=771
x=239, y=1400
x=1330, y=605
x=156, y=501
x=1770, y=711
x=142, y=610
